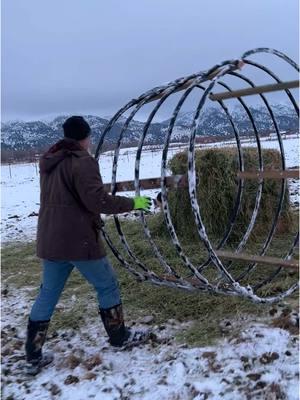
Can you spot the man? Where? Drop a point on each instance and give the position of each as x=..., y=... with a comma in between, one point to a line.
x=68, y=236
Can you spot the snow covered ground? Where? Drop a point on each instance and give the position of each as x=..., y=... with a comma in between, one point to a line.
x=20, y=183
x=256, y=361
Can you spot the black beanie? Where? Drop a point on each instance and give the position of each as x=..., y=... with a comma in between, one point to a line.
x=76, y=128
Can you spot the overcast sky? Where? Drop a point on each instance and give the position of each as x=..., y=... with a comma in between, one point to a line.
x=92, y=56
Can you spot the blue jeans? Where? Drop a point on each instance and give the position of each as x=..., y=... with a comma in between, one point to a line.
x=99, y=273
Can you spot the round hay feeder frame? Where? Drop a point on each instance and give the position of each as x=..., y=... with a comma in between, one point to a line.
x=208, y=81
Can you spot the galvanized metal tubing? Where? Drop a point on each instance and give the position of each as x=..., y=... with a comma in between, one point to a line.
x=196, y=278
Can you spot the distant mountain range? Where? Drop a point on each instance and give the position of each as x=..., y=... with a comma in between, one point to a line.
x=36, y=135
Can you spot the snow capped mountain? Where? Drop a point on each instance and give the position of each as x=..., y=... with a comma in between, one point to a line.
x=214, y=121
x=24, y=135
x=18, y=135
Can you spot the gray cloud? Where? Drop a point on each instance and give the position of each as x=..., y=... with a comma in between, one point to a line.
x=75, y=56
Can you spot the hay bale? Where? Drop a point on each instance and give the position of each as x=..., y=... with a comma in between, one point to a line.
x=217, y=170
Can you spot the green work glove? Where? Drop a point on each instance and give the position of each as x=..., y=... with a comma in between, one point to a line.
x=142, y=203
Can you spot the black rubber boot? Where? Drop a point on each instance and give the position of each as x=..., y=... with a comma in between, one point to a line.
x=36, y=336
x=113, y=322
x=119, y=335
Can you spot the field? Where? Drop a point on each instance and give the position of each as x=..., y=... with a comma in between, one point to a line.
x=211, y=347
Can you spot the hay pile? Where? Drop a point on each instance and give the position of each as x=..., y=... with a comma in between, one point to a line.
x=218, y=183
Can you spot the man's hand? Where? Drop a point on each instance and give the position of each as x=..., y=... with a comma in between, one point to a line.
x=142, y=203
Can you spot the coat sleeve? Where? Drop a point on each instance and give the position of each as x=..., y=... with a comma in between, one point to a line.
x=90, y=189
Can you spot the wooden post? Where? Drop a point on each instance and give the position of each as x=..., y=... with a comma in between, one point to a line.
x=174, y=181
x=254, y=90
x=294, y=264
x=270, y=174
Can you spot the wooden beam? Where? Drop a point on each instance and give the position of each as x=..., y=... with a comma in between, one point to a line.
x=174, y=181
x=271, y=174
x=258, y=259
x=181, y=181
x=254, y=90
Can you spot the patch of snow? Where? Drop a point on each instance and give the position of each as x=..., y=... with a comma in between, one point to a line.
x=252, y=364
